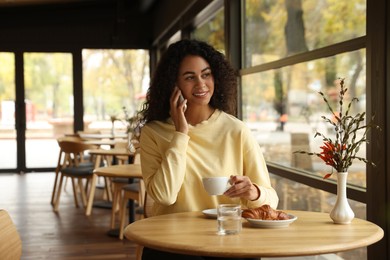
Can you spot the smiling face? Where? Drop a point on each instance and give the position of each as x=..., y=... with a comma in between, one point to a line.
x=195, y=80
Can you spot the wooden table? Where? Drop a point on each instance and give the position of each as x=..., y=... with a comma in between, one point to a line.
x=312, y=233
x=120, y=171
x=101, y=142
x=99, y=155
x=103, y=136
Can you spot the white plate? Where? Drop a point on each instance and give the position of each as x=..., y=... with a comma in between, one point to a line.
x=272, y=223
x=210, y=213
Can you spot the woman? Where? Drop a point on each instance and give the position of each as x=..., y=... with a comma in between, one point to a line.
x=198, y=136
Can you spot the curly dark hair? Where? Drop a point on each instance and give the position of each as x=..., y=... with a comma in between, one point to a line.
x=157, y=104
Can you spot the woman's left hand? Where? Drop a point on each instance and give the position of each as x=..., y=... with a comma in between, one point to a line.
x=242, y=187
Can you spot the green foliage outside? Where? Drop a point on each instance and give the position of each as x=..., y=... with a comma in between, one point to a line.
x=112, y=79
x=7, y=76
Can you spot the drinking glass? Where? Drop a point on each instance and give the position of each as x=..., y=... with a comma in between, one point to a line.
x=229, y=219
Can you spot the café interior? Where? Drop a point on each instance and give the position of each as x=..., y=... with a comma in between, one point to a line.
x=81, y=68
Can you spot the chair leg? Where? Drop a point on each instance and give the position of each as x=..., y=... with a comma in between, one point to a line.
x=66, y=182
x=138, y=252
x=115, y=204
x=75, y=193
x=53, y=194
x=58, y=195
x=91, y=195
x=107, y=187
x=87, y=183
x=122, y=216
x=82, y=192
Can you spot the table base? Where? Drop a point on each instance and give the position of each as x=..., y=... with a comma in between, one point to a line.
x=113, y=232
x=104, y=204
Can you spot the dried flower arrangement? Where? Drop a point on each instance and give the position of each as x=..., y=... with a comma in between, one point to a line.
x=340, y=152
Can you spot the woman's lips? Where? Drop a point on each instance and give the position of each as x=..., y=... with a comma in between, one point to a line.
x=200, y=94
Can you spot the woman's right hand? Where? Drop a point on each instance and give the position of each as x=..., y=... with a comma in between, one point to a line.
x=177, y=111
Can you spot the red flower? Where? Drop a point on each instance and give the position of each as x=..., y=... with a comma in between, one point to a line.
x=327, y=153
x=330, y=154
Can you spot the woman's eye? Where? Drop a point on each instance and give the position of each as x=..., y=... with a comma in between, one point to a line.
x=206, y=75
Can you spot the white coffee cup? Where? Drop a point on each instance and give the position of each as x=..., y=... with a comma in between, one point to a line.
x=216, y=185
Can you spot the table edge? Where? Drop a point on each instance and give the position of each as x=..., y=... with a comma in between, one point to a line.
x=317, y=251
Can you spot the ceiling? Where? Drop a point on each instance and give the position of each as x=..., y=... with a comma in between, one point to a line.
x=144, y=4
x=36, y=2
x=66, y=24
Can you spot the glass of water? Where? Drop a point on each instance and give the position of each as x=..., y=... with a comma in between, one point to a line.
x=229, y=219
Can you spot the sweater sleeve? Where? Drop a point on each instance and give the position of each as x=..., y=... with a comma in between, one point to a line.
x=166, y=171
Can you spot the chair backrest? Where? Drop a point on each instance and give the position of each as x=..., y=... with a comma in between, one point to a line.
x=74, y=151
x=74, y=138
x=10, y=242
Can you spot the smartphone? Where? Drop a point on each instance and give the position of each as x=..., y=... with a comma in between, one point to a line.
x=181, y=99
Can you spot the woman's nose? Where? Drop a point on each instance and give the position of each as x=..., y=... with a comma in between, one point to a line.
x=200, y=81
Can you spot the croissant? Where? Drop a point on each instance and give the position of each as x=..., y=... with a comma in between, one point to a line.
x=264, y=212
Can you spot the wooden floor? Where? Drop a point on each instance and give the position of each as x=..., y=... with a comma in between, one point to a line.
x=68, y=234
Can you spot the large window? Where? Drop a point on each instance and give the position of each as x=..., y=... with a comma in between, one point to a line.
x=49, y=105
x=299, y=49
x=277, y=29
x=114, y=80
x=212, y=30
x=284, y=109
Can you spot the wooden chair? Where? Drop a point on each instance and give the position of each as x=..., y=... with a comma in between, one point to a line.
x=60, y=162
x=10, y=242
x=75, y=168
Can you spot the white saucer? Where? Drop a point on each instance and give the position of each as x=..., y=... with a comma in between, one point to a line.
x=210, y=213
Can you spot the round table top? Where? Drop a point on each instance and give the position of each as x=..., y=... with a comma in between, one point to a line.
x=114, y=151
x=104, y=142
x=123, y=171
x=103, y=136
x=312, y=233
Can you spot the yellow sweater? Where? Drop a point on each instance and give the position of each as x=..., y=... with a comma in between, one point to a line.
x=174, y=163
